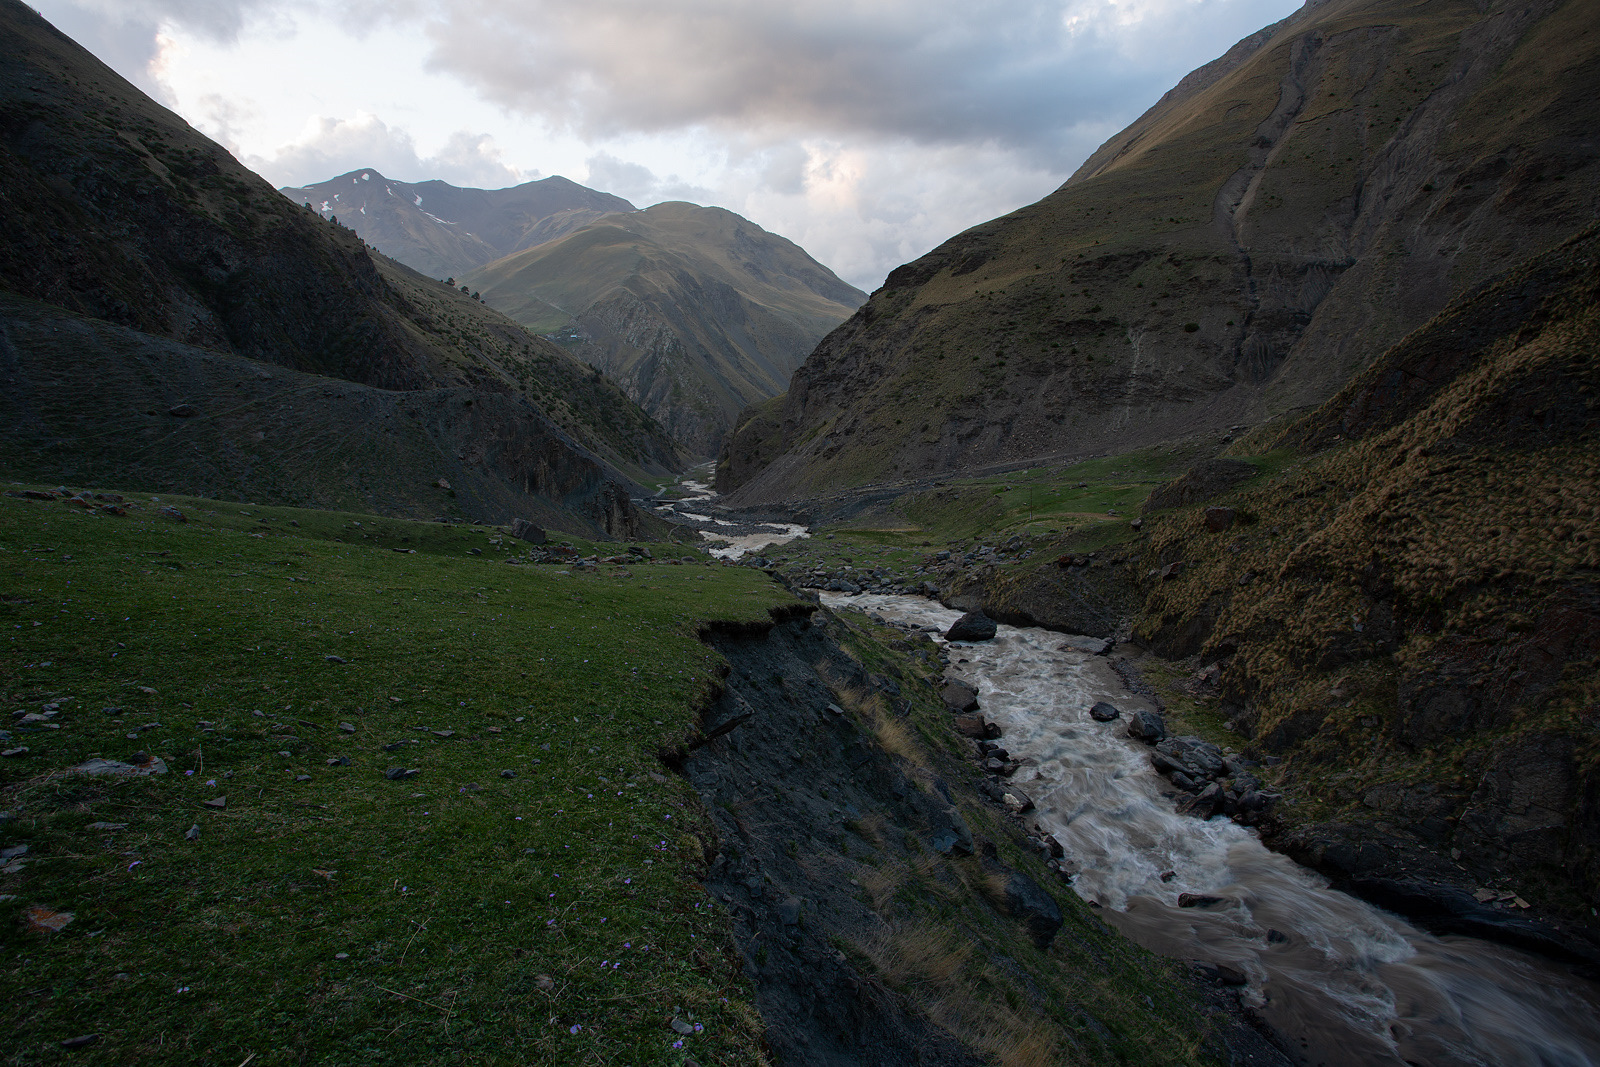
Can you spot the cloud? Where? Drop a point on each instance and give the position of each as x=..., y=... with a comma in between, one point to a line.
x=328, y=147
x=1021, y=74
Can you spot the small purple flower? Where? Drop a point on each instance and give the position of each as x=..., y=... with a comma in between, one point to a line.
x=574, y=1028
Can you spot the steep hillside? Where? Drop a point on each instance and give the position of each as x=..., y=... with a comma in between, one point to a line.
x=113, y=209
x=443, y=230
x=1411, y=617
x=695, y=311
x=1237, y=253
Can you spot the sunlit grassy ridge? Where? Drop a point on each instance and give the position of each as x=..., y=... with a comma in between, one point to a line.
x=549, y=917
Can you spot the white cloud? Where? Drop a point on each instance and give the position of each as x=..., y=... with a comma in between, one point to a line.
x=329, y=147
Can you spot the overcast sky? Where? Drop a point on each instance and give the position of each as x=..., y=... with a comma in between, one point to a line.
x=868, y=131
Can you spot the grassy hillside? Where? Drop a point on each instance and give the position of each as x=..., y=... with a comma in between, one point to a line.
x=1239, y=252
x=113, y=209
x=1410, y=613
x=695, y=311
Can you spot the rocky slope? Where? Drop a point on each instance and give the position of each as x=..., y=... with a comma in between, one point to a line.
x=1410, y=616
x=122, y=226
x=1238, y=252
x=443, y=230
x=694, y=311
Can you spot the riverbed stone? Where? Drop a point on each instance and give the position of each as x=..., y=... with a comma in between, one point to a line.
x=958, y=696
x=1104, y=712
x=1199, y=759
x=1147, y=726
x=973, y=626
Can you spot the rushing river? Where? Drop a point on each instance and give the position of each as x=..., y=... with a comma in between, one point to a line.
x=1352, y=984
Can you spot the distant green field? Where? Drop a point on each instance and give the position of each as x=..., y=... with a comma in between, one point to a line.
x=326, y=913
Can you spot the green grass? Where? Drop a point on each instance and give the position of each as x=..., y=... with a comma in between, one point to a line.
x=551, y=917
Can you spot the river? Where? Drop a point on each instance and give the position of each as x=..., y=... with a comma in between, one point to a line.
x=1351, y=984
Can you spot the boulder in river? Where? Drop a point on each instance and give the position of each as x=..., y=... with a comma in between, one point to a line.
x=973, y=626
x=1103, y=712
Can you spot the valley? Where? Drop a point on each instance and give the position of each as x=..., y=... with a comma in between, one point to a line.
x=1158, y=626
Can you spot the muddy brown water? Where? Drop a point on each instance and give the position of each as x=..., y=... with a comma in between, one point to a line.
x=1349, y=984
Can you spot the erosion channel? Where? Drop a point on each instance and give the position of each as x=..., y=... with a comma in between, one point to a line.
x=1347, y=983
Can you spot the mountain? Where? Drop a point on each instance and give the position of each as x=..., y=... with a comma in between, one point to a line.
x=1239, y=252
x=1409, y=615
x=694, y=311
x=171, y=322
x=442, y=230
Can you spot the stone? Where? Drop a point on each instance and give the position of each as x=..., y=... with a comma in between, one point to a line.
x=81, y=1041
x=42, y=920
x=302, y=778
x=958, y=696
x=973, y=626
x=1197, y=758
x=1219, y=519
x=193, y=833
x=335, y=659
x=1103, y=712
x=1016, y=799
x=348, y=727
x=21, y=750
x=182, y=411
x=168, y=511
x=977, y=727
x=443, y=733
x=523, y=530
x=394, y=774
x=835, y=709
x=1277, y=937
x=1037, y=910
x=1055, y=847
x=789, y=911
x=139, y=764
x=216, y=802
x=1147, y=726
x=681, y=1027
x=1198, y=900
x=508, y=774
x=1172, y=570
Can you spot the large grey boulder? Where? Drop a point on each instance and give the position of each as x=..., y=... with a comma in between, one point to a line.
x=973, y=626
x=1146, y=726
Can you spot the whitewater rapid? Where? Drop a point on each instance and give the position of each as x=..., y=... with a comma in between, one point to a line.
x=1352, y=985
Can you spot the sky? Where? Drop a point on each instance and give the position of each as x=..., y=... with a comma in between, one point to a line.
x=867, y=131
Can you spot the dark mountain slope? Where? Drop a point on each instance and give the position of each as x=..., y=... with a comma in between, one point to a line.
x=113, y=208
x=1237, y=253
x=443, y=230
x=1411, y=617
x=695, y=311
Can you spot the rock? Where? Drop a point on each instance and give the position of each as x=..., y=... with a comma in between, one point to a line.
x=173, y=513
x=1198, y=900
x=958, y=696
x=443, y=733
x=1000, y=767
x=1277, y=937
x=508, y=774
x=1183, y=781
x=789, y=911
x=302, y=778
x=1219, y=519
x=139, y=764
x=1016, y=799
x=394, y=774
x=81, y=1041
x=182, y=411
x=1094, y=646
x=193, y=833
x=42, y=920
x=348, y=727
x=338, y=761
x=22, y=750
x=976, y=726
x=1204, y=804
x=1103, y=712
x=835, y=709
x=681, y=1027
x=1197, y=758
x=1172, y=570
x=216, y=802
x=973, y=626
x=1033, y=907
x=1055, y=847
x=1146, y=726
x=335, y=659
x=523, y=530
